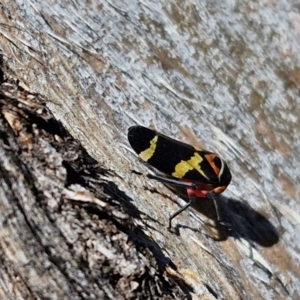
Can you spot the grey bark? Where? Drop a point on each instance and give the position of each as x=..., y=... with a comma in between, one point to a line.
x=76, y=222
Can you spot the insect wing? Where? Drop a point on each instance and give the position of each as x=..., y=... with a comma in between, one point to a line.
x=174, y=158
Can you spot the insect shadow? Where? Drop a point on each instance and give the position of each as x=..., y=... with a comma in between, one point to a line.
x=247, y=223
x=241, y=221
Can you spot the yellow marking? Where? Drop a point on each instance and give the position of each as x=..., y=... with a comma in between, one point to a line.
x=148, y=153
x=184, y=166
x=181, y=169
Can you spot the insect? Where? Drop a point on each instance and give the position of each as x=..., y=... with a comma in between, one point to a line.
x=203, y=173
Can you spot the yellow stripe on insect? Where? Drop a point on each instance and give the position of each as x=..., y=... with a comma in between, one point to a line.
x=187, y=165
x=148, y=153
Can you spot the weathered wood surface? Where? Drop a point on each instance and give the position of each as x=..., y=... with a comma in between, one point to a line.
x=76, y=223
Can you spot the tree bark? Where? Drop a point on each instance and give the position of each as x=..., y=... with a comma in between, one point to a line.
x=66, y=232
x=79, y=217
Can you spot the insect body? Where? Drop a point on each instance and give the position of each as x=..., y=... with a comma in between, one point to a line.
x=203, y=173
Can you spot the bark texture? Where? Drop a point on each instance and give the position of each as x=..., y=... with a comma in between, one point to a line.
x=77, y=218
x=66, y=232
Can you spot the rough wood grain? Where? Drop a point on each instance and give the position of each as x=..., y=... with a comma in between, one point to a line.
x=76, y=222
x=65, y=232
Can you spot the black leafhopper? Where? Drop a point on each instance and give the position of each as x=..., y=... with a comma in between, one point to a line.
x=203, y=173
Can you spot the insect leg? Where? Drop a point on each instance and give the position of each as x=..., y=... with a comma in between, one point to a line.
x=176, y=182
x=219, y=219
x=188, y=185
x=191, y=200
